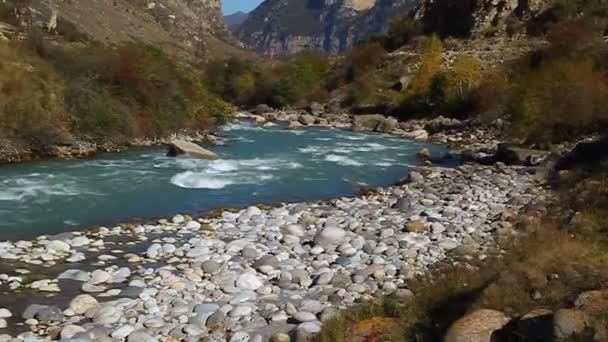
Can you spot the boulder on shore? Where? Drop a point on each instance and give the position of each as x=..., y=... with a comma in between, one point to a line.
x=180, y=147
x=515, y=155
x=369, y=122
x=477, y=326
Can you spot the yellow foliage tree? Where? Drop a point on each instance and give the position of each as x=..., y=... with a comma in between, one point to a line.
x=464, y=76
x=430, y=64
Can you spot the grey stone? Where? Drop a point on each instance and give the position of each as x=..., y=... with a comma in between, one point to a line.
x=73, y=274
x=49, y=314
x=32, y=310
x=107, y=315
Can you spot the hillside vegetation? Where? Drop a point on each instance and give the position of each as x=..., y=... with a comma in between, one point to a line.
x=54, y=89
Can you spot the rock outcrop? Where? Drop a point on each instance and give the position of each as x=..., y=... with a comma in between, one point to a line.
x=179, y=147
x=479, y=18
x=281, y=27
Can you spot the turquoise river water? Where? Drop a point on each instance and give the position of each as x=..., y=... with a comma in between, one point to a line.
x=257, y=166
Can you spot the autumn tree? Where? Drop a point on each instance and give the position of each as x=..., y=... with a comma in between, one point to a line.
x=430, y=64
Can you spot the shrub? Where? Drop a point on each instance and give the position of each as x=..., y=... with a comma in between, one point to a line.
x=492, y=94
x=418, y=97
x=362, y=59
x=430, y=63
x=453, y=91
x=298, y=78
x=560, y=100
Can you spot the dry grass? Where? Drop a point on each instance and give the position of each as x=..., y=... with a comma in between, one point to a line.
x=31, y=95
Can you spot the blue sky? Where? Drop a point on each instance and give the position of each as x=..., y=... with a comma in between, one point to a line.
x=231, y=6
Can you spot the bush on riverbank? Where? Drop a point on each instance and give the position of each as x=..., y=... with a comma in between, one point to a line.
x=90, y=89
x=289, y=83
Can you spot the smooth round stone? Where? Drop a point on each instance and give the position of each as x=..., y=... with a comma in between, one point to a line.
x=107, y=315
x=100, y=277
x=307, y=331
x=178, y=219
x=193, y=225
x=216, y=320
x=295, y=230
x=82, y=303
x=70, y=330
x=140, y=336
x=154, y=323
x=131, y=291
x=73, y=274
x=5, y=313
x=210, y=266
x=90, y=288
x=57, y=247
x=290, y=239
x=249, y=253
x=330, y=236
x=240, y=311
x=304, y=316
x=49, y=314
x=122, y=332
x=266, y=260
x=324, y=278
x=80, y=241
x=248, y=281
x=154, y=251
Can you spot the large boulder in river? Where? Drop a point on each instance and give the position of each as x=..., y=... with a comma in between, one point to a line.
x=180, y=147
x=369, y=122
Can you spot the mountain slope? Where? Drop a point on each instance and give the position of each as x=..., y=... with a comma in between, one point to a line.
x=182, y=27
x=281, y=27
x=233, y=21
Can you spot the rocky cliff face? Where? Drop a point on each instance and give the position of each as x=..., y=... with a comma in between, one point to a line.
x=480, y=18
x=281, y=27
x=182, y=26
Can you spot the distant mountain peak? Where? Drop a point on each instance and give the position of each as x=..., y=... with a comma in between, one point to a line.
x=234, y=20
x=282, y=27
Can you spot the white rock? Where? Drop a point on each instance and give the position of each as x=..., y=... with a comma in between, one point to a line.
x=57, y=247
x=248, y=281
x=330, y=236
x=5, y=313
x=100, y=277
x=82, y=303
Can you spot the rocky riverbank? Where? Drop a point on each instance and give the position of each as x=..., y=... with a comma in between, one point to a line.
x=258, y=273
x=12, y=152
